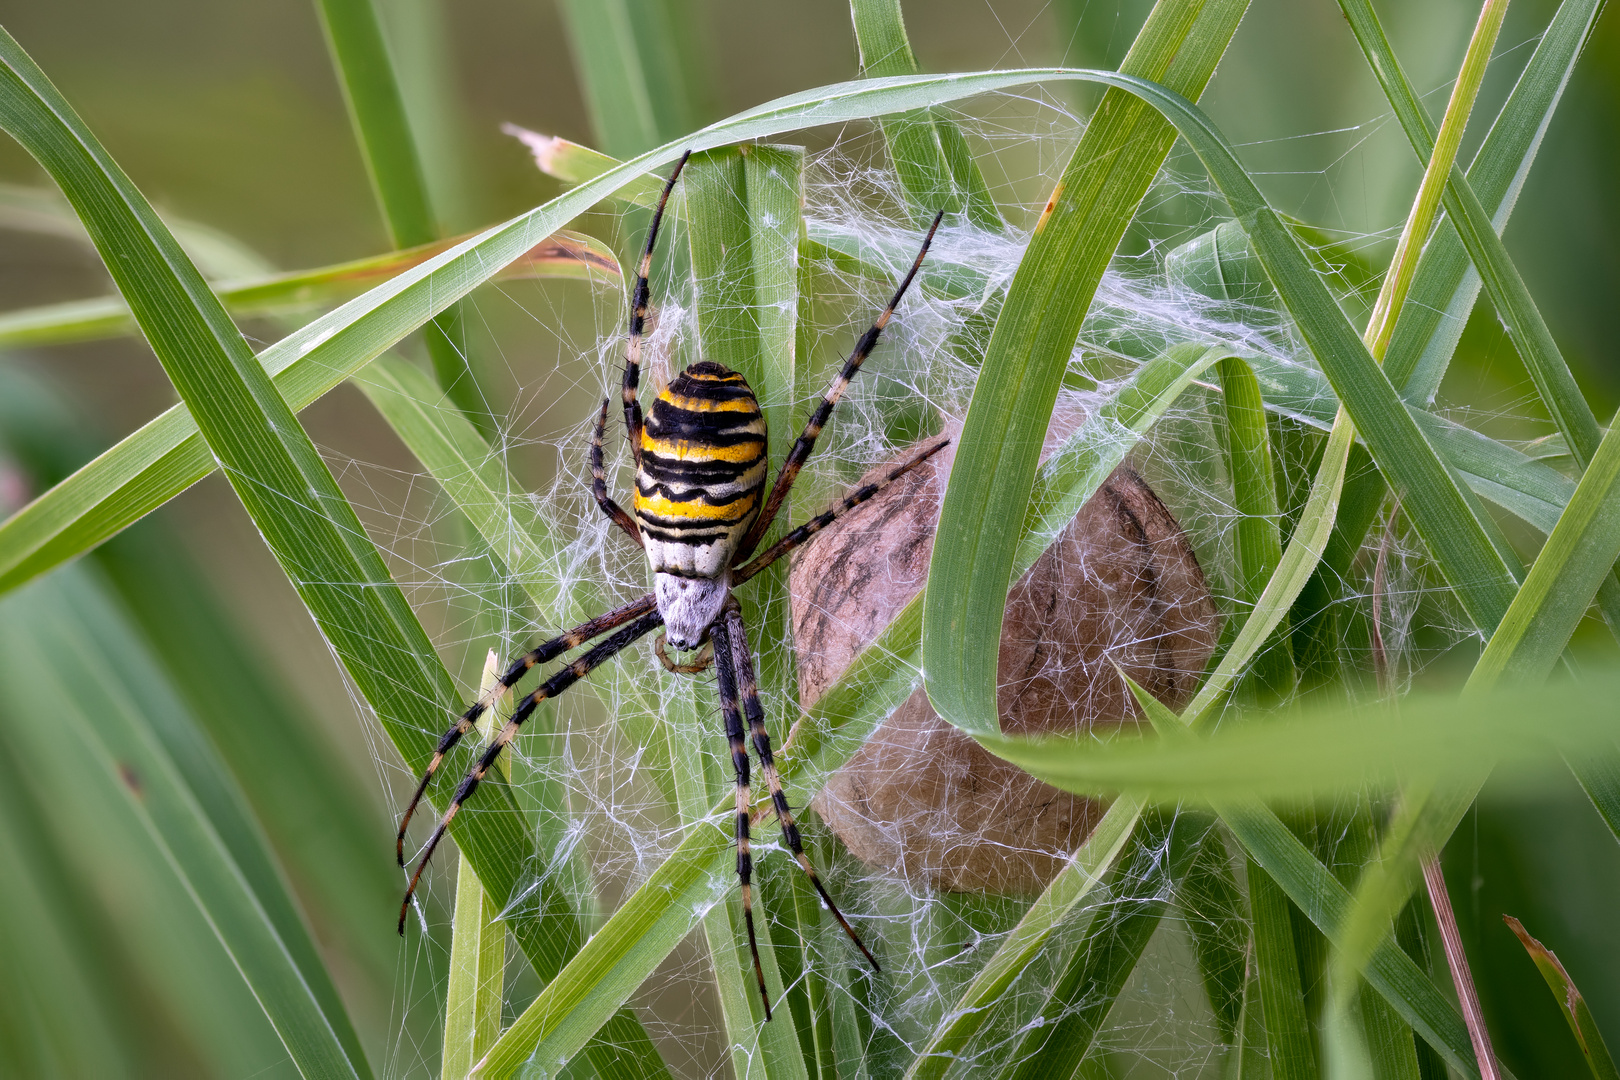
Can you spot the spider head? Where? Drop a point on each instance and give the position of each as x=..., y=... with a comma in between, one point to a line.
x=689, y=605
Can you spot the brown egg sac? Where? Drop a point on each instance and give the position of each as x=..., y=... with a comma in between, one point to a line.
x=1120, y=585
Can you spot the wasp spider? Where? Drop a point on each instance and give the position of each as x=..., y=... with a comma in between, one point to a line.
x=698, y=513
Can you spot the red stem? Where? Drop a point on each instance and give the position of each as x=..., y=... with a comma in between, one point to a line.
x=1473, y=1015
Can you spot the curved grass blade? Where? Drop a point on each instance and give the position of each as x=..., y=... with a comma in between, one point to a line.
x=928, y=150
x=566, y=256
x=165, y=457
x=277, y=474
x=1029, y=350
x=1571, y=1004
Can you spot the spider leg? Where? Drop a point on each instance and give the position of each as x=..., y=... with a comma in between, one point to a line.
x=732, y=645
x=550, y=650
x=725, y=671
x=613, y=510
x=821, y=521
x=818, y=419
x=553, y=686
x=638, y=320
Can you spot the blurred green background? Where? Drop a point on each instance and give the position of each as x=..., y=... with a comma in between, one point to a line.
x=229, y=115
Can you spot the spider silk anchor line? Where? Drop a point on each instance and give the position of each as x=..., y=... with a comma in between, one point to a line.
x=700, y=471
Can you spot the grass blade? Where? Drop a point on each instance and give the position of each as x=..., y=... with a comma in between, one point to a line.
x=567, y=256
x=193, y=337
x=1254, y=499
x=354, y=35
x=638, y=69
x=1089, y=987
x=1289, y=1035
x=1571, y=1003
x=476, y=987
x=1528, y=331
x=1029, y=350
x=1446, y=286
x=377, y=110
x=928, y=151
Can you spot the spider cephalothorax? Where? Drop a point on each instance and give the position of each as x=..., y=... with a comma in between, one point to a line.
x=699, y=514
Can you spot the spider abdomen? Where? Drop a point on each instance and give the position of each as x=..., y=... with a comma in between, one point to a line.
x=702, y=471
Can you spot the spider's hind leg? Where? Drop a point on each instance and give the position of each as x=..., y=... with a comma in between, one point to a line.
x=560, y=681
x=731, y=644
x=549, y=650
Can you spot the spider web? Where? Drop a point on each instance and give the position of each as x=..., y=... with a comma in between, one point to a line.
x=550, y=351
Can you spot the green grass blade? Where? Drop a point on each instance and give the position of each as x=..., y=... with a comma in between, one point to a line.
x=354, y=35
x=193, y=337
x=1324, y=751
x=1289, y=1035
x=990, y=483
x=1089, y=986
x=741, y=217
x=1217, y=916
x=567, y=256
x=1077, y=880
x=1571, y=1004
x=928, y=150
x=1527, y=329
x=1578, y=557
x=477, y=984
x=377, y=110
x=641, y=78
x=1254, y=498
x=1447, y=285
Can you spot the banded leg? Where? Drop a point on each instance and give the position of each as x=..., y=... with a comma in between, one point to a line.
x=733, y=646
x=818, y=419
x=638, y=320
x=726, y=686
x=613, y=510
x=548, y=651
x=553, y=686
x=821, y=521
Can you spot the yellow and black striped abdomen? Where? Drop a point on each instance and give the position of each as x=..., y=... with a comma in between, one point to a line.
x=702, y=471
